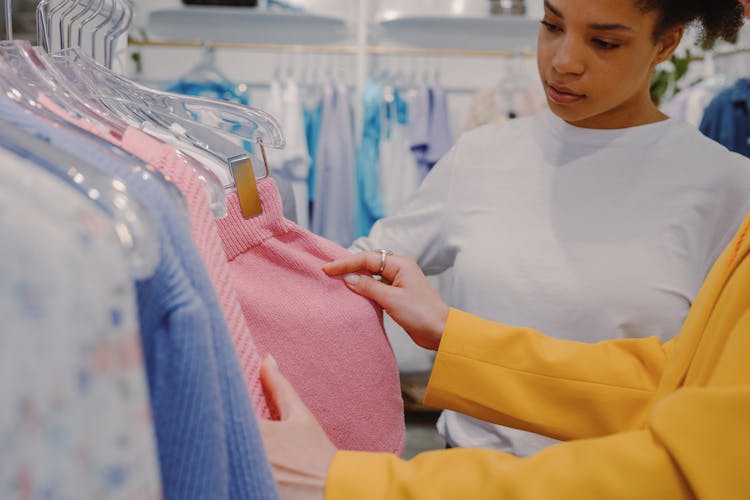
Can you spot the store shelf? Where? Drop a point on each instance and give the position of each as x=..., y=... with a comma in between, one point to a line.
x=458, y=32
x=245, y=25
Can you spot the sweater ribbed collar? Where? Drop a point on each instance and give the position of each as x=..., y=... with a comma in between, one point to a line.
x=238, y=234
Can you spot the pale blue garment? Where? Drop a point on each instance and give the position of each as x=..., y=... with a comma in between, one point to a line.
x=370, y=204
x=440, y=138
x=221, y=90
x=419, y=125
x=225, y=91
x=430, y=127
x=207, y=436
x=399, y=174
x=727, y=118
x=312, y=132
x=74, y=408
x=335, y=184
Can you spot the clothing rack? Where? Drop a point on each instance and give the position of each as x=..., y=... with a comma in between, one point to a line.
x=335, y=49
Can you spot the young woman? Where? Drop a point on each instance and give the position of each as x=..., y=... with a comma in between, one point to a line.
x=597, y=219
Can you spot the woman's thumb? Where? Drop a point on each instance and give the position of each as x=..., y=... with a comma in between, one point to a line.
x=281, y=397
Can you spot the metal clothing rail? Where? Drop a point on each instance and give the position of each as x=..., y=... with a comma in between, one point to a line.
x=335, y=49
x=730, y=51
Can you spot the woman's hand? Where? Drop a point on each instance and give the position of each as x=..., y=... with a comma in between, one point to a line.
x=297, y=447
x=404, y=293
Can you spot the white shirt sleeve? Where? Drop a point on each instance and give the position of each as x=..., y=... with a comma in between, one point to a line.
x=418, y=228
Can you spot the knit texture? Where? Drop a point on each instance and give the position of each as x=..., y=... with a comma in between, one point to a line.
x=206, y=237
x=328, y=341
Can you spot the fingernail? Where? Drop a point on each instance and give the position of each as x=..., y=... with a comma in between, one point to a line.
x=352, y=279
x=272, y=361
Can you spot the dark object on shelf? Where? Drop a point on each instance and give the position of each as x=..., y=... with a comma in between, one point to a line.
x=503, y=7
x=224, y=3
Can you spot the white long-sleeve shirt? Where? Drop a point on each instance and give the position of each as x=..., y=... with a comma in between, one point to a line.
x=582, y=234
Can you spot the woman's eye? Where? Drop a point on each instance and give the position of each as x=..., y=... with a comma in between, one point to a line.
x=605, y=45
x=551, y=27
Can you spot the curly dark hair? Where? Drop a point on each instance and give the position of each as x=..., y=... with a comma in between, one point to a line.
x=716, y=19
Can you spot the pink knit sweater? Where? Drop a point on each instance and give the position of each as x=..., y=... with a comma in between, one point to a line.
x=204, y=231
x=205, y=235
x=328, y=341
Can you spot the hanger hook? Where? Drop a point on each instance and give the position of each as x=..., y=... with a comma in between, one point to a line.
x=8, y=4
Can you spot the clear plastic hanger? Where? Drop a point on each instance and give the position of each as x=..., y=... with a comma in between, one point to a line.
x=92, y=14
x=8, y=13
x=63, y=25
x=47, y=69
x=85, y=9
x=105, y=23
x=132, y=221
x=116, y=94
x=119, y=28
x=50, y=16
x=214, y=188
x=247, y=123
x=206, y=70
x=24, y=82
x=43, y=37
x=182, y=116
x=32, y=81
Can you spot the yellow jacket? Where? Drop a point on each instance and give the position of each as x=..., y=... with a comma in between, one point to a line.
x=642, y=420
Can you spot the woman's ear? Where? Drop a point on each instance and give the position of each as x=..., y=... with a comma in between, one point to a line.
x=667, y=43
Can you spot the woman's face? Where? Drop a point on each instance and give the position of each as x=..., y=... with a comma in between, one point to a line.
x=595, y=60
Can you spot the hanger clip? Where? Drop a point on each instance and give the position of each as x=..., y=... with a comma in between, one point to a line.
x=247, y=188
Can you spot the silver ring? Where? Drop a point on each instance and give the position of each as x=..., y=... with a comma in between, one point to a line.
x=383, y=254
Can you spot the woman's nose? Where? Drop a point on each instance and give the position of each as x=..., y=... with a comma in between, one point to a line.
x=568, y=57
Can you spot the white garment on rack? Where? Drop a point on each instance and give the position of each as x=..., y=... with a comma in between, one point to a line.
x=75, y=419
x=292, y=164
x=398, y=172
x=490, y=106
x=335, y=202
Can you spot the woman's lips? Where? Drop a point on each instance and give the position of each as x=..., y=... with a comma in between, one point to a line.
x=563, y=95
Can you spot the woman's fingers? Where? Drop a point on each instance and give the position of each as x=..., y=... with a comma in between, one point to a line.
x=371, y=288
x=297, y=447
x=282, y=399
x=403, y=292
x=367, y=262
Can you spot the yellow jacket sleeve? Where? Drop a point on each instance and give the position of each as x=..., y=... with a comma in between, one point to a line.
x=560, y=388
x=684, y=436
x=692, y=444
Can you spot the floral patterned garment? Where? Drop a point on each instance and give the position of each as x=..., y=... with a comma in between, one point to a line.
x=75, y=421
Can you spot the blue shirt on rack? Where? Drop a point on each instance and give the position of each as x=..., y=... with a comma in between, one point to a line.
x=370, y=204
x=727, y=118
